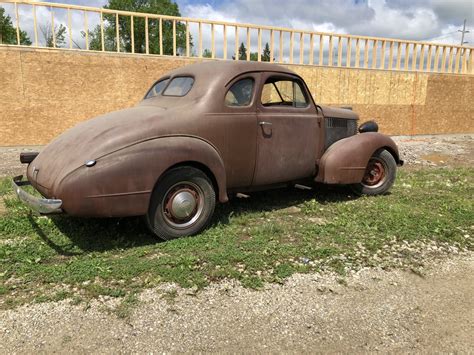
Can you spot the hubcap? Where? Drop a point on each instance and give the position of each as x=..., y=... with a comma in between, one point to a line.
x=375, y=173
x=183, y=205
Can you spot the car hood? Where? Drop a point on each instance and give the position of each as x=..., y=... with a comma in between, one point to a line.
x=93, y=139
x=336, y=112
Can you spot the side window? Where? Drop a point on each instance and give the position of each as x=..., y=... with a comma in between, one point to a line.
x=179, y=86
x=157, y=88
x=240, y=93
x=283, y=92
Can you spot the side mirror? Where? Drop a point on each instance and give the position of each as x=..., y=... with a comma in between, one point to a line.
x=369, y=126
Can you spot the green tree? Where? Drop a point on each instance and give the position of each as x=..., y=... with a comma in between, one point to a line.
x=161, y=7
x=207, y=53
x=266, y=53
x=59, y=39
x=242, y=52
x=8, y=33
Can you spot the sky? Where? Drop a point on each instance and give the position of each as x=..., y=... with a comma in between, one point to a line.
x=430, y=20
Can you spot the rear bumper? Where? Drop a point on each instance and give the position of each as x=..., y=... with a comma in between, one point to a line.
x=40, y=205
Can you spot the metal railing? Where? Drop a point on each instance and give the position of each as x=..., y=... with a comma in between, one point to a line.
x=153, y=34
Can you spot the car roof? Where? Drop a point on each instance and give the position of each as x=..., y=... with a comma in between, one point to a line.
x=226, y=70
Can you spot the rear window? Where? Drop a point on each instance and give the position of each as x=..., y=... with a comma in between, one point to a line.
x=157, y=88
x=179, y=86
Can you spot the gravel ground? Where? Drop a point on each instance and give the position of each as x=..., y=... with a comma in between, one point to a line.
x=374, y=310
x=429, y=309
x=419, y=151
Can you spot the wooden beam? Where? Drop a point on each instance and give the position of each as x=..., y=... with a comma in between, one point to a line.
x=311, y=49
x=321, y=49
x=272, y=45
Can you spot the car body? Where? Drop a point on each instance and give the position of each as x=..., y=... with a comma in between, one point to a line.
x=241, y=126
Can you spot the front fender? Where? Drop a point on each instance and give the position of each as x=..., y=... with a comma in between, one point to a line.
x=121, y=183
x=345, y=161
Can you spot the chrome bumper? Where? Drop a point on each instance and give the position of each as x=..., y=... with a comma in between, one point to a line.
x=40, y=205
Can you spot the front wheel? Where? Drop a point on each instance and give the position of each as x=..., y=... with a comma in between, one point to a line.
x=182, y=203
x=379, y=175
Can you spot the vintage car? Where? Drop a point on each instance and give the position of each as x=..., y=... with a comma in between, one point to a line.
x=201, y=133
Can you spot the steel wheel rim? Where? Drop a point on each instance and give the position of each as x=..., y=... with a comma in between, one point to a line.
x=375, y=174
x=182, y=205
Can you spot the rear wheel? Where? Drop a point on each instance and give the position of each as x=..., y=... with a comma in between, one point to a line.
x=379, y=175
x=182, y=203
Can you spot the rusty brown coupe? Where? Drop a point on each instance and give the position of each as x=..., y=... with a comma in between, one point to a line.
x=202, y=132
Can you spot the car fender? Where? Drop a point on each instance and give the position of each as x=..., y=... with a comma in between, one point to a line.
x=136, y=169
x=345, y=161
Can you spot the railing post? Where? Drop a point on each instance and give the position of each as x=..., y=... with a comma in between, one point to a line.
x=374, y=54
x=86, y=25
x=348, y=54
x=236, y=43
x=357, y=57
x=188, y=46
x=225, y=42
x=450, y=62
x=292, y=39
x=382, y=56
x=213, y=42
x=366, y=54
x=311, y=48
x=330, y=51
x=117, y=33
x=339, y=51
x=102, y=31
x=53, y=33
x=147, y=39
x=399, y=55
x=407, y=56
x=17, y=17
x=174, y=38
x=390, y=56
x=443, y=60
x=200, y=39
x=421, y=66
x=35, y=24
x=458, y=57
x=132, y=35
x=436, y=60
x=280, y=48
x=415, y=53
x=248, y=44
x=429, y=59
x=272, y=45
x=301, y=47
x=160, y=33
x=321, y=49
x=259, y=45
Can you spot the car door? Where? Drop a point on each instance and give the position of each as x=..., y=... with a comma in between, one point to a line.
x=287, y=130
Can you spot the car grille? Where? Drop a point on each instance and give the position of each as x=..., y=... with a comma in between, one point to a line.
x=339, y=128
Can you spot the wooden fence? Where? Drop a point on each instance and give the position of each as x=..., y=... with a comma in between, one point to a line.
x=152, y=34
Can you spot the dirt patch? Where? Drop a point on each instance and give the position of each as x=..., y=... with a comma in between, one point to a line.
x=10, y=159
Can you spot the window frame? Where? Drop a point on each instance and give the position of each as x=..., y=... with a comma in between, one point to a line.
x=176, y=77
x=154, y=84
x=252, y=97
x=284, y=77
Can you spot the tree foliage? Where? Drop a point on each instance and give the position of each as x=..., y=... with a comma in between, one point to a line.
x=265, y=56
x=59, y=39
x=8, y=33
x=161, y=7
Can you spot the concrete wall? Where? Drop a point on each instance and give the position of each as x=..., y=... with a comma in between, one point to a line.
x=44, y=92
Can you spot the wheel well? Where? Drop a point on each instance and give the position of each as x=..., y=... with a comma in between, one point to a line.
x=390, y=150
x=199, y=166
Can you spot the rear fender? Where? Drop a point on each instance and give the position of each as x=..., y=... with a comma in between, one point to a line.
x=121, y=183
x=345, y=161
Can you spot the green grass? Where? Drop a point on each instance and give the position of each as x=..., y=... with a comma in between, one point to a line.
x=255, y=240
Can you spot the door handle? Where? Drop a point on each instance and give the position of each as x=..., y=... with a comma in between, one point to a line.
x=264, y=123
